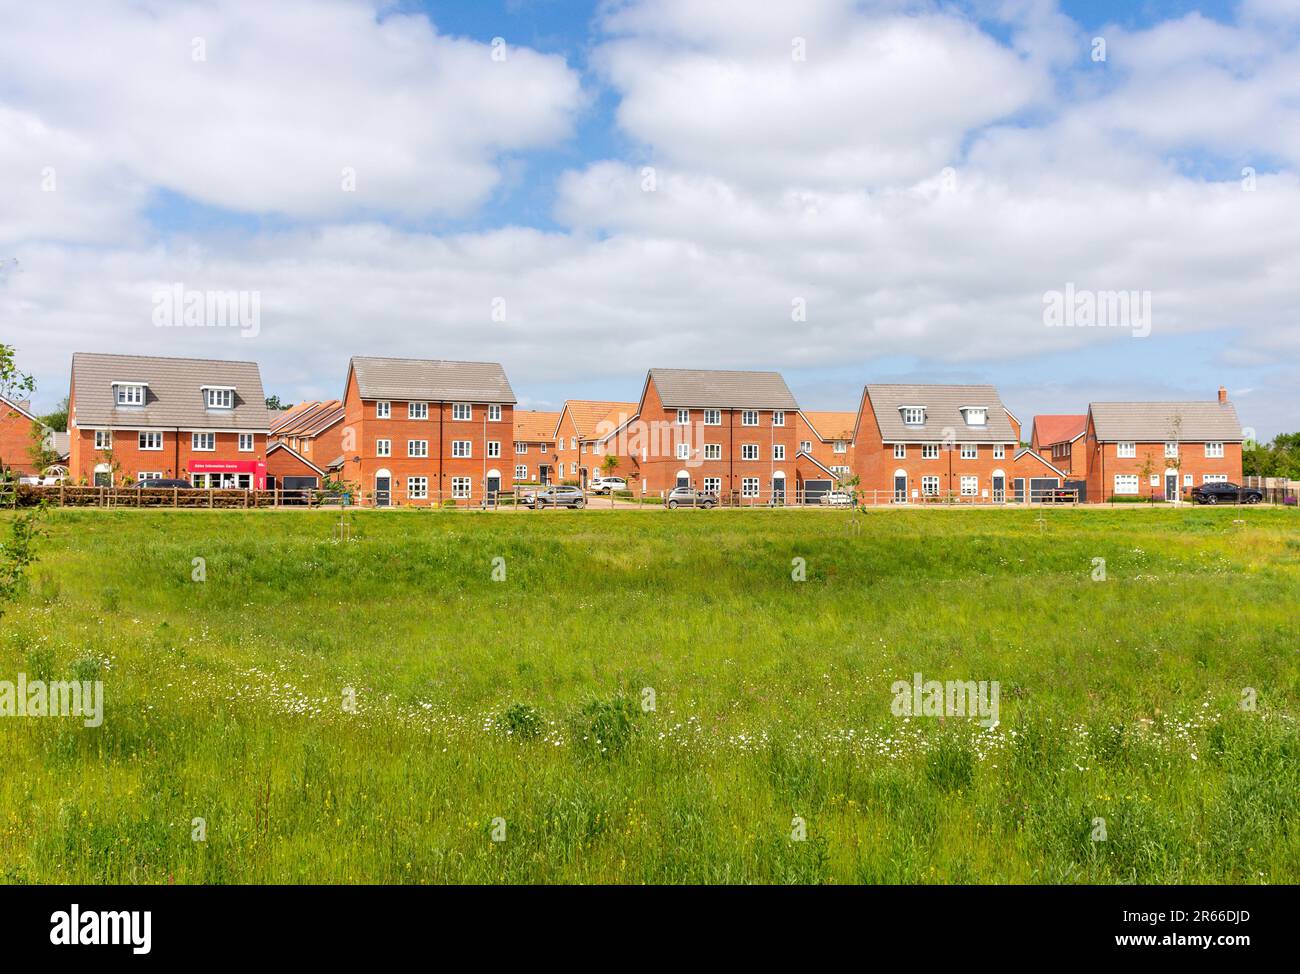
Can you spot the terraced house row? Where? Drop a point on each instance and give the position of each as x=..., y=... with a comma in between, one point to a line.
x=424, y=431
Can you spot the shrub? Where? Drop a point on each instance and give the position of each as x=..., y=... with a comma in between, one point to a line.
x=605, y=727
x=522, y=721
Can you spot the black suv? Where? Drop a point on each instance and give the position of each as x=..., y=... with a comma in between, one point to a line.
x=165, y=482
x=1226, y=493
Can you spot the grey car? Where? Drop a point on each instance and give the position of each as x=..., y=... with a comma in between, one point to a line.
x=554, y=497
x=690, y=497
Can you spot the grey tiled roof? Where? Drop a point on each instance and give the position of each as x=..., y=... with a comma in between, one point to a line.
x=174, y=397
x=696, y=388
x=943, y=417
x=1156, y=422
x=431, y=379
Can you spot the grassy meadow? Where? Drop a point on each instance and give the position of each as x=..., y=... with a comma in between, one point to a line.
x=513, y=709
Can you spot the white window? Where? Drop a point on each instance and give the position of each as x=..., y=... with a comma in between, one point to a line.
x=749, y=417
x=521, y=447
x=713, y=417
x=417, y=410
x=417, y=488
x=930, y=486
x=461, y=448
x=383, y=409
x=712, y=485
x=494, y=448
x=1214, y=450
x=494, y=414
x=749, y=487
x=150, y=441
x=1126, y=450
x=999, y=451
x=220, y=398
x=749, y=451
x=462, y=410
x=144, y=475
x=975, y=415
x=245, y=442
x=712, y=451
x=841, y=446
x=840, y=471
x=778, y=451
x=204, y=442
x=383, y=448
x=683, y=451
x=778, y=417
x=1187, y=480
x=417, y=448
x=805, y=446
x=130, y=394
x=573, y=442
x=929, y=451
x=683, y=417
x=900, y=451
x=970, y=486
x=969, y=451
x=103, y=439
x=913, y=415
x=1126, y=483
x=521, y=472
x=1171, y=449
x=541, y=447
x=460, y=487
x=1155, y=480
x=1214, y=478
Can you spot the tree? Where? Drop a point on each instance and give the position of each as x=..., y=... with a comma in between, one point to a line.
x=18, y=553
x=39, y=451
x=14, y=384
x=57, y=420
x=273, y=403
x=609, y=465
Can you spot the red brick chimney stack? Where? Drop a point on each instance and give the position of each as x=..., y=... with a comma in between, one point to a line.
x=1223, y=394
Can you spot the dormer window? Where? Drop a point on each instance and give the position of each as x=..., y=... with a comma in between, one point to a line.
x=913, y=415
x=129, y=393
x=975, y=415
x=219, y=397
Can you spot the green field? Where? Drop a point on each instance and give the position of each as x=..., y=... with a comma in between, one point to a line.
x=518, y=704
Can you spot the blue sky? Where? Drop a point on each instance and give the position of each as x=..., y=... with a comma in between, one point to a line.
x=819, y=181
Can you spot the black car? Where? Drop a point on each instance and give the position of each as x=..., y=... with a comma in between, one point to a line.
x=163, y=482
x=1226, y=493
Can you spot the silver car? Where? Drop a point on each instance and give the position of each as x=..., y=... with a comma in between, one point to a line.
x=554, y=497
x=690, y=497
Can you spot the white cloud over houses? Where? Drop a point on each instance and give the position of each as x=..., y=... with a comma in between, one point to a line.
x=919, y=182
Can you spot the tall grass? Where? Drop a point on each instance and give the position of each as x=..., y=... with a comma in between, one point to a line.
x=521, y=702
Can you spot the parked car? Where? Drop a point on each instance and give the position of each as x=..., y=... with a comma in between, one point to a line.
x=837, y=498
x=1226, y=493
x=1057, y=495
x=606, y=485
x=690, y=497
x=166, y=482
x=537, y=498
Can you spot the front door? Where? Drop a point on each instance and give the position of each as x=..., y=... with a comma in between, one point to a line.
x=493, y=486
x=900, y=490
x=1171, y=486
x=683, y=481
x=999, y=489
x=383, y=491
x=778, y=490
x=544, y=475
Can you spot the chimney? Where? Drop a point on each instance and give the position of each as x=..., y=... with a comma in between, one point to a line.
x=1223, y=395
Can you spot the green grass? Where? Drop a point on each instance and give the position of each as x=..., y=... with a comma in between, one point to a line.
x=521, y=700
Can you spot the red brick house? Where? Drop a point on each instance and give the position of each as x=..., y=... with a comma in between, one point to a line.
x=18, y=429
x=287, y=469
x=534, y=447
x=313, y=430
x=1054, y=437
x=1160, y=450
x=135, y=417
x=422, y=431
x=734, y=433
x=585, y=424
x=825, y=445
x=913, y=443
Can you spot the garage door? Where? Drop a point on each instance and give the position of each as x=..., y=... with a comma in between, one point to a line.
x=814, y=489
x=1039, y=486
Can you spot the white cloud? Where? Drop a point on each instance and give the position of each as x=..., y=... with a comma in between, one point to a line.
x=287, y=95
